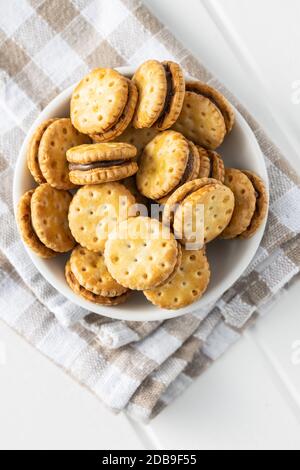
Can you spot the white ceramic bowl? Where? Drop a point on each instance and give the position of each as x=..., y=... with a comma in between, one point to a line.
x=228, y=259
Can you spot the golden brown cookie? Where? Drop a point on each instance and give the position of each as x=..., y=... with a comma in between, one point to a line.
x=49, y=213
x=98, y=101
x=141, y=254
x=26, y=229
x=187, y=286
x=245, y=202
x=95, y=210
x=130, y=184
x=261, y=207
x=162, y=164
x=151, y=81
x=90, y=271
x=204, y=214
x=205, y=166
x=217, y=167
x=137, y=137
x=126, y=117
x=174, y=97
x=217, y=98
x=101, y=163
x=33, y=151
x=56, y=140
x=191, y=170
x=201, y=121
x=172, y=202
x=161, y=93
x=90, y=296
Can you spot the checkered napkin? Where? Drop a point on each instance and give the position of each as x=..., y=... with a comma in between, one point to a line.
x=137, y=367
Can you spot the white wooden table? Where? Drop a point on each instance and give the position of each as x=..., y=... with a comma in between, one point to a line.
x=252, y=46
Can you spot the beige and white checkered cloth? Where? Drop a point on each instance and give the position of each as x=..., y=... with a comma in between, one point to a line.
x=137, y=367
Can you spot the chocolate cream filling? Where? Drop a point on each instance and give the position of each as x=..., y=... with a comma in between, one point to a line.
x=94, y=165
x=169, y=95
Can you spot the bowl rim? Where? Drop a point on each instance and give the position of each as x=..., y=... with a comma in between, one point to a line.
x=115, y=312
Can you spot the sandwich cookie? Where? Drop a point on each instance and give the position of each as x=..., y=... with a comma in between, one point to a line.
x=56, y=140
x=261, y=207
x=162, y=164
x=245, y=202
x=91, y=273
x=26, y=229
x=161, y=90
x=91, y=296
x=141, y=254
x=98, y=101
x=33, y=152
x=204, y=214
x=201, y=118
x=124, y=120
x=94, y=212
x=211, y=165
x=49, y=216
x=101, y=163
x=188, y=285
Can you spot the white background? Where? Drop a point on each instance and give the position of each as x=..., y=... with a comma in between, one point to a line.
x=251, y=397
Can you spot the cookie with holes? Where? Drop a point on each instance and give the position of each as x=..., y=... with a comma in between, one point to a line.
x=98, y=101
x=141, y=253
x=59, y=136
x=204, y=214
x=165, y=163
x=161, y=94
x=90, y=271
x=101, y=163
x=49, y=217
x=78, y=289
x=206, y=116
x=124, y=120
x=33, y=152
x=188, y=285
x=26, y=229
x=95, y=210
x=245, y=202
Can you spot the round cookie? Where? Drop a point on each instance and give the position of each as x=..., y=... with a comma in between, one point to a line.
x=90, y=271
x=98, y=101
x=56, y=140
x=95, y=209
x=261, y=207
x=201, y=121
x=102, y=162
x=174, y=97
x=141, y=254
x=137, y=137
x=33, y=152
x=126, y=117
x=26, y=229
x=172, y=202
x=245, y=202
x=187, y=286
x=150, y=79
x=90, y=296
x=217, y=98
x=49, y=213
x=217, y=202
x=162, y=164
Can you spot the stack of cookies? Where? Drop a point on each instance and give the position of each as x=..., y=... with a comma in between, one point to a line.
x=132, y=185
